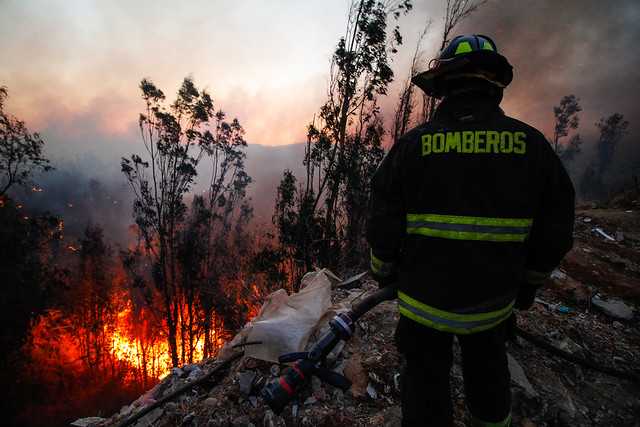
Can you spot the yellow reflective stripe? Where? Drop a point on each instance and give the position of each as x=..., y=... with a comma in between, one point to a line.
x=469, y=227
x=463, y=47
x=475, y=421
x=534, y=277
x=379, y=267
x=487, y=46
x=451, y=322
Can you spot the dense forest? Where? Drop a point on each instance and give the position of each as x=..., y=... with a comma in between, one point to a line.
x=87, y=323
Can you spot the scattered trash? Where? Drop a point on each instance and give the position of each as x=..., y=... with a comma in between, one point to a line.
x=605, y=235
x=353, y=282
x=553, y=307
x=372, y=391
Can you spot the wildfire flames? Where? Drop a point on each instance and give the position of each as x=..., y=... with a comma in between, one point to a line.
x=153, y=359
x=107, y=336
x=133, y=348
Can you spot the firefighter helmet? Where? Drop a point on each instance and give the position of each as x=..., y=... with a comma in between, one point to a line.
x=470, y=57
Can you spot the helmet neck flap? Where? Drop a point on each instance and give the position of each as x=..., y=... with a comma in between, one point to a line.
x=467, y=63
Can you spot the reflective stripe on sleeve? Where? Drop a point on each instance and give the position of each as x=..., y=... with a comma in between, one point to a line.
x=451, y=322
x=379, y=267
x=470, y=227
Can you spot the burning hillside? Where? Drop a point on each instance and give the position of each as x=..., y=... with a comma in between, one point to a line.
x=588, y=310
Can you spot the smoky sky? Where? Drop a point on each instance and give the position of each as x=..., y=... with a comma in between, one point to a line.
x=586, y=48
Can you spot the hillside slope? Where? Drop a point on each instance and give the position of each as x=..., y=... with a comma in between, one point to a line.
x=603, y=266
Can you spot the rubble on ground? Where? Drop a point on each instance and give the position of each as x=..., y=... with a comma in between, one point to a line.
x=547, y=390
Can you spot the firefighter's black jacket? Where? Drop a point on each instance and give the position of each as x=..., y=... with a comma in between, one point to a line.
x=466, y=208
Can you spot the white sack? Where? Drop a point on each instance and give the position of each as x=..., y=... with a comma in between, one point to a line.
x=285, y=322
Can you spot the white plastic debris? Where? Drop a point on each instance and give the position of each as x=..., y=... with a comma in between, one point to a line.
x=605, y=235
x=372, y=391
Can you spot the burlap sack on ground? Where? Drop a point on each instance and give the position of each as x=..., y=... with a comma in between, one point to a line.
x=285, y=322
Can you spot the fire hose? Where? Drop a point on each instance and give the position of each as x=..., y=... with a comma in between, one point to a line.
x=279, y=391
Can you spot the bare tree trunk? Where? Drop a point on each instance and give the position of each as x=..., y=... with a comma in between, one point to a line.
x=456, y=12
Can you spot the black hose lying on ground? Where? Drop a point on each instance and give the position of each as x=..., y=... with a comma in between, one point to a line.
x=575, y=359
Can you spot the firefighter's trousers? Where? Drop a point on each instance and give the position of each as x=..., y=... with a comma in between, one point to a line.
x=425, y=380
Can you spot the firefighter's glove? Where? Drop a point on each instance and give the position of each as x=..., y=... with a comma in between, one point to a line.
x=526, y=296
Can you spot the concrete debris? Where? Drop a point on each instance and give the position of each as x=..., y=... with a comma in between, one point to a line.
x=563, y=407
x=245, y=381
x=570, y=346
x=615, y=309
x=519, y=378
x=85, y=422
x=149, y=419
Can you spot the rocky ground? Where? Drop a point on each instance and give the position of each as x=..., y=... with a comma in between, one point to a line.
x=588, y=309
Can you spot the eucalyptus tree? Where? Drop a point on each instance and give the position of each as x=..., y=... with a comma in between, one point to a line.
x=30, y=278
x=566, y=119
x=176, y=137
x=612, y=129
x=212, y=241
x=321, y=220
x=410, y=110
x=20, y=150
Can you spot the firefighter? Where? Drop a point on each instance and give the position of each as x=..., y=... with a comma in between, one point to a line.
x=469, y=214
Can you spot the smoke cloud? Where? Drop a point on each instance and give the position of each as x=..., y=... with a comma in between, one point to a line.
x=557, y=48
x=586, y=48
